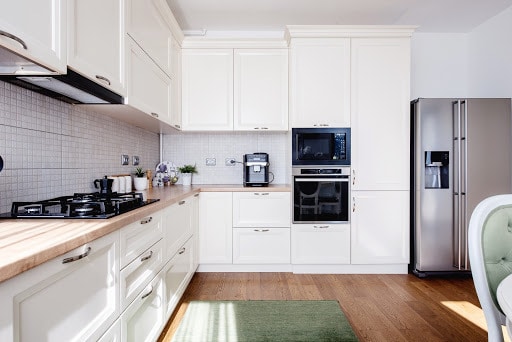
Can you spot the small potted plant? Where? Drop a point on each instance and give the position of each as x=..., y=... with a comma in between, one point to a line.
x=140, y=181
x=186, y=173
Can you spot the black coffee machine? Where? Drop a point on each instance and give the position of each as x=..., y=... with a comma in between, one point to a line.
x=256, y=169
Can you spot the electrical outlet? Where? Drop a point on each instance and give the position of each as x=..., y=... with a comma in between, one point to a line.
x=135, y=160
x=125, y=159
x=211, y=162
x=230, y=161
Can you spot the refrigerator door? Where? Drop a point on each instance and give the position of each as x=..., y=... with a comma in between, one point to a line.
x=433, y=205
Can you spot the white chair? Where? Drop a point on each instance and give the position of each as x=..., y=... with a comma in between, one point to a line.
x=490, y=254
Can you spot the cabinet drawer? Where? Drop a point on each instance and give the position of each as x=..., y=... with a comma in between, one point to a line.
x=321, y=244
x=144, y=318
x=261, y=245
x=176, y=274
x=139, y=236
x=261, y=209
x=139, y=272
x=177, y=226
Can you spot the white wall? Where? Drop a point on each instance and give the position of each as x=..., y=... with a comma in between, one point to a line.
x=439, y=65
x=490, y=57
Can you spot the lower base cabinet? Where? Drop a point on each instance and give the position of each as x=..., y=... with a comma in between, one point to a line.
x=261, y=245
x=143, y=320
x=321, y=244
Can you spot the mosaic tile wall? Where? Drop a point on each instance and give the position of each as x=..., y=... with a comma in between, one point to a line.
x=51, y=148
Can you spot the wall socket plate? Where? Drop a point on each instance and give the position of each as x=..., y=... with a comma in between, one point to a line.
x=125, y=159
x=211, y=162
x=230, y=161
x=135, y=160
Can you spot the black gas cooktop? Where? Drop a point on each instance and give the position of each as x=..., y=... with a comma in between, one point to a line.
x=81, y=206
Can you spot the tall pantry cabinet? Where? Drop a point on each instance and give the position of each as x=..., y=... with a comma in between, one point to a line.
x=363, y=74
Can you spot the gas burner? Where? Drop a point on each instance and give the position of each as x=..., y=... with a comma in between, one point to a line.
x=80, y=205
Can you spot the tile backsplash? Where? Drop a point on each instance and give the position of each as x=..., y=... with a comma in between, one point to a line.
x=51, y=148
x=193, y=148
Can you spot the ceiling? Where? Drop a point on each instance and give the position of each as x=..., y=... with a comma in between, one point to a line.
x=456, y=16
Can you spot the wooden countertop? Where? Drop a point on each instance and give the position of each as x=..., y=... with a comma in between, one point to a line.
x=27, y=243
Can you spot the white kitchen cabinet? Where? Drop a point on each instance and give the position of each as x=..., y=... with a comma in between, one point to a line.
x=149, y=89
x=138, y=236
x=143, y=320
x=261, y=89
x=320, y=82
x=74, y=297
x=380, y=113
x=380, y=227
x=113, y=334
x=320, y=244
x=177, y=225
x=177, y=274
x=207, y=89
x=147, y=26
x=240, y=89
x=176, y=120
x=137, y=274
x=261, y=209
x=261, y=245
x=97, y=51
x=40, y=30
x=215, y=228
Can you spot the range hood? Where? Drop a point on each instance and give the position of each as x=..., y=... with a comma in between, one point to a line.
x=71, y=88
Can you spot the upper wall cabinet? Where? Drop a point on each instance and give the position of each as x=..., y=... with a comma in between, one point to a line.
x=35, y=29
x=148, y=28
x=242, y=89
x=320, y=82
x=96, y=50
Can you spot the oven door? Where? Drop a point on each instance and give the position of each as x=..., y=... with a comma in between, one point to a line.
x=321, y=199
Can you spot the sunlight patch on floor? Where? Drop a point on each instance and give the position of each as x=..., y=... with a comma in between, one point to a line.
x=472, y=313
x=205, y=317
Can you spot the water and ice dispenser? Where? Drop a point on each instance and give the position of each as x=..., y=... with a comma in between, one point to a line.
x=437, y=171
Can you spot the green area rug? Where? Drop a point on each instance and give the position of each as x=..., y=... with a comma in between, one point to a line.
x=264, y=320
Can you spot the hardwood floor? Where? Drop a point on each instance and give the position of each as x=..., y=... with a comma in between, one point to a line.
x=379, y=307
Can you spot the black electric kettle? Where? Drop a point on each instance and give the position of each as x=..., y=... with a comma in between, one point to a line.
x=105, y=185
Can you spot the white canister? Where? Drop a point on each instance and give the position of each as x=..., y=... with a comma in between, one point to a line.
x=115, y=184
x=128, y=183
x=122, y=185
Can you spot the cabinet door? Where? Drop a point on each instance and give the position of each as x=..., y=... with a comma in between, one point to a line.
x=320, y=82
x=113, y=334
x=261, y=245
x=261, y=209
x=148, y=28
x=41, y=25
x=177, y=224
x=380, y=113
x=380, y=227
x=148, y=87
x=261, y=89
x=207, y=89
x=97, y=51
x=143, y=320
x=176, y=274
x=320, y=244
x=74, y=297
x=176, y=85
x=215, y=228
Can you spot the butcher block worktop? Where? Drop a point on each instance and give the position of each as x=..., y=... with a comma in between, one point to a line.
x=26, y=243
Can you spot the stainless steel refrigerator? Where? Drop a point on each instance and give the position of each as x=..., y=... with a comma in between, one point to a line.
x=460, y=155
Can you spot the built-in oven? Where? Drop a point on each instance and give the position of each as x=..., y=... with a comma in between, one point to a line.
x=321, y=194
x=326, y=146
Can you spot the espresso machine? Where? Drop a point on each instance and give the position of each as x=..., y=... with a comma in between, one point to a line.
x=256, y=169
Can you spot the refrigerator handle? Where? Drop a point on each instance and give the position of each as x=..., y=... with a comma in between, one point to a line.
x=463, y=185
x=457, y=198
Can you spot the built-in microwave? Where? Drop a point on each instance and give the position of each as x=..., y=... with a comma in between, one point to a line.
x=321, y=146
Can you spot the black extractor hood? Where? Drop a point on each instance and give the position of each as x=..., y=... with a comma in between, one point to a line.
x=71, y=88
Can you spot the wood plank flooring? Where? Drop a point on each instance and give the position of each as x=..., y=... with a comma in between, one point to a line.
x=379, y=307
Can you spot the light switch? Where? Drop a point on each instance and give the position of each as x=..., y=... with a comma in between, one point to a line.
x=125, y=159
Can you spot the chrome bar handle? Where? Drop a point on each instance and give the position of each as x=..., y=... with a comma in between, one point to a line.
x=154, y=114
x=181, y=202
x=182, y=250
x=103, y=78
x=261, y=230
x=147, y=294
x=77, y=257
x=353, y=177
x=147, y=257
x=321, y=227
x=177, y=126
x=353, y=204
x=15, y=38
